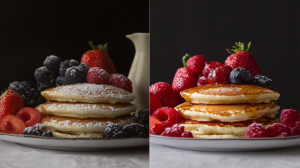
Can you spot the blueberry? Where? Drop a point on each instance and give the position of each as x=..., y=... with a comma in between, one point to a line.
x=73, y=63
x=60, y=81
x=43, y=74
x=63, y=67
x=47, y=134
x=262, y=81
x=112, y=129
x=46, y=85
x=240, y=76
x=84, y=67
x=52, y=62
x=75, y=75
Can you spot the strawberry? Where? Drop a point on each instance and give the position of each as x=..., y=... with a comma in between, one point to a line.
x=30, y=116
x=98, y=57
x=11, y=124
x=196, y=64
x=241, y=57
x=165, y=93
x=10, y=102
x=154, y=103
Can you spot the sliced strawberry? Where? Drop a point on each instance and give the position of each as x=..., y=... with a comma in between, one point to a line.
x=17, y=124
x=153, y=121
x=10, y=102
x=30, y=116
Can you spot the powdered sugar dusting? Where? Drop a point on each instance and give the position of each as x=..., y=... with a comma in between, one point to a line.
x=79, y=124
x=88, y=107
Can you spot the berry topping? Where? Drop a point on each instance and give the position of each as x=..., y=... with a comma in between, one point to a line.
x=294, y=131
x=17, y=124
x=52, y=62
x=165, y=93
x=30, y=116
x=289, y=117
x=120, y=81
x=60, y=81
x=187, y=134
x=219, y=75
x=157, y=128
x=276, y=130
x=209, y=66
x=38, y=130
x=74, y=75
x=153, y=121
x=196, y=64
x=202, y=81
x=135, y=130
x=85, y=68
x=240, y=76
x=46, y=85
x=8, y=126
x=154, y=103
x=255, y=131
x=167, y=115
x=283, y=134
x=73, y=63
x=47, y=134
x=65, y=65
x=262, y=81
x=43, y=74
x=97, y=76
x=176, y=131
x=10, y=102
x=112, y=131
x=143, y=117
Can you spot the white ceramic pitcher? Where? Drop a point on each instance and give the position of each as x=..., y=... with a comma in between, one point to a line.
x=139, y=72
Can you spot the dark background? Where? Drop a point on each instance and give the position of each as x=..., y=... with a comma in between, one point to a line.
x=32, y=30
x=205, y=27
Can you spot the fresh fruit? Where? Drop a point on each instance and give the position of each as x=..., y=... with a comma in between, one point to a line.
x=143, y=117
x=289, y=117
x=293, y=131
x=46, y=85
x=43, y=74
x=17, y=124
x=85, y=68
x=98, y=57
x=47, y=134
x=97, y=76
x=219, y=75
x=61, y=81
x=10, y=102
x=167, y=115
x=196, y=64
x=255, y=131
x=65, y=65
x=154, y=103
x=187, y=134
x=112, y=131
x=241, y=57
x=30, y=116
x=165, y=93
x=38, y=130
x=210, y=66
x=157, y=128
x=284, y=134
x=202, y=81
x=52, y=62
x=120, y=81
x=8, y=126
x=276, y=130
x=240, y=76
x=262, y=81
x=176, y=131
x=135, y=130
x=153, y=121
x=74, y=75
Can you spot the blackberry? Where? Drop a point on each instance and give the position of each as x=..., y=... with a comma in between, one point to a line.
x=240, y=76
x=43, y=74
x=39, y=127
x=46, y=85
x=84, y=67
x=65, y=65
x=112, y=130
x=262, y=81
x=60, y=81
x=32, y=131
x=75, y=75
x=143, y=117
x=47, y=134
x=28, y=130
x=135, y=130
x=52, y=62
x=118, y=135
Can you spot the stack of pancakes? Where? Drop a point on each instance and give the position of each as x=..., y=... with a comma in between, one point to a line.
x=84, y=110
x=226, y=110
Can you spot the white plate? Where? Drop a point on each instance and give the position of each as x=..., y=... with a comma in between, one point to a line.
x=232, y=144
x=74, y=144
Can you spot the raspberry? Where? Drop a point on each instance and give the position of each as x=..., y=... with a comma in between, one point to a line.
x=187, y=134
x=165, y=93
x=202, y=81
x=219, y=75
x=196, y=64
x=240, y=76
x=289, y=117
x=262, y=81
x=154, y=133
x=177, y=130
x=167, y=115
x=297, y=124
x=210, y=66
x=276, y=129
x=168, y=132
x=255, y=131
x=97, y=76
x=283, y=134
x=154, y=103
x=294, y=131
x=30, y=116
x=120, y=81
x=157, y=128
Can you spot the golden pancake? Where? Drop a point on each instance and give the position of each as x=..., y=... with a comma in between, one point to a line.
x=58, y=134
x=223, y=128
x=85, y=110
x=229, y=94
x=226, y=113
x=76, y=125
x=88, y=93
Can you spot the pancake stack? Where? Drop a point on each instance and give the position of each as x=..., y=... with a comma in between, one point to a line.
x=226, y=110
x=84, y=110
